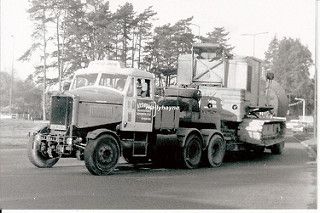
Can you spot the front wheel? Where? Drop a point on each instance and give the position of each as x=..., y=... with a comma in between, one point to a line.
x=37, y=153
x=215, y=152
x=101, y=155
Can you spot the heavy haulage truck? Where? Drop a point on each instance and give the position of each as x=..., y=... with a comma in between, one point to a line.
x=219, y=103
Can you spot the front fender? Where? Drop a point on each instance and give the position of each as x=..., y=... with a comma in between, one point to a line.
x=42, y=129
x=96, y=133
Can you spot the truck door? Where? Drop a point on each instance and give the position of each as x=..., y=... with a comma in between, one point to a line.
x=138, y=105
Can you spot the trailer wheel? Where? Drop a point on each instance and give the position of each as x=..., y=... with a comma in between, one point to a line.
x=191, y=152
x=37, y=157
x=215, y=152
x=277, y=149
x=101, y=155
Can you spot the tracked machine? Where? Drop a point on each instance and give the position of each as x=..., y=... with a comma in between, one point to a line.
x=219, y=103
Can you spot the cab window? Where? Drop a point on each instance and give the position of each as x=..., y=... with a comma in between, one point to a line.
x=143, y=87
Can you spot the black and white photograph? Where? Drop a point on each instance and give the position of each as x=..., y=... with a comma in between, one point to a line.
x=159, y=105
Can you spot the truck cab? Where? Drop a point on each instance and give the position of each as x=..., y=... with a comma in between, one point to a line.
x=106, y=87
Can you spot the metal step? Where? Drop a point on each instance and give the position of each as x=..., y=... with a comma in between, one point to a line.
x=139, y=149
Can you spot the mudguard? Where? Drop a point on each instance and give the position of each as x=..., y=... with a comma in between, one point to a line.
x=207, y=135
x=39, y=129
x=96, y=133
x=183, y=133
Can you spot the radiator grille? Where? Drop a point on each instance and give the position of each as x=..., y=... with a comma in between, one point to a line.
x=61, y=110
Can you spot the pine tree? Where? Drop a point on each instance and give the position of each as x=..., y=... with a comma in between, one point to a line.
x=269, y=55
x=40, y=12
x=126, y=20
x=168, y=42
x=143, y=32
x=218, y=36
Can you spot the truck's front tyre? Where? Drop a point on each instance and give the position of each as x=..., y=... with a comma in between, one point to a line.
x=191, y=152
x=101, y=155
x=215, y=152
x=37, y=157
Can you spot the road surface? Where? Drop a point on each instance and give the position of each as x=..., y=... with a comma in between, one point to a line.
x=266, y=182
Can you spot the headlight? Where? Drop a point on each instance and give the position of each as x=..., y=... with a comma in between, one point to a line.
x=69, y=141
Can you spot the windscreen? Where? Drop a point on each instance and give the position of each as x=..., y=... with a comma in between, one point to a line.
x=84, y=80
x=113, y=81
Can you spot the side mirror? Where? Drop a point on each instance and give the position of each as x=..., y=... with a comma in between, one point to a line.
x=66, y=86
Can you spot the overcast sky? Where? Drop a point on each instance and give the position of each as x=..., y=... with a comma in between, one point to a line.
x=284, y=18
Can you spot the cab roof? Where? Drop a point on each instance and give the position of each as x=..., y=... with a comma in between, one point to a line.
x=113, y=67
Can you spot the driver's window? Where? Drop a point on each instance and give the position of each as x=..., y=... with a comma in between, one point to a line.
x=143, y=87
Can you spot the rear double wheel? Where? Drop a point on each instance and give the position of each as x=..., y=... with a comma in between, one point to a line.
x=191, y=152
x=101, y=155
x=214, y=154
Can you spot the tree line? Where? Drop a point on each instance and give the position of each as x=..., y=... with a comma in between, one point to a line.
x=68, y=34
x=89, y=30
x=26, y=96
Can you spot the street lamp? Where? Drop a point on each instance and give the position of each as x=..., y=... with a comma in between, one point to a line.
x=254, y=39
x=303, y=107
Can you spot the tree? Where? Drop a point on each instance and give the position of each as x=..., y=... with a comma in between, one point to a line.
x=168, y=42
x=270, y=55
x=289, y=60
x=218, y=36
x=142, y=32
x=125, y=17
x=5, y=84
x=26, y=96
x=40, y=12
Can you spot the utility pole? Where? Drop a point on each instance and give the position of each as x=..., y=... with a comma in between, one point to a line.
x=12, y=73
x=58, y=56
x=253, y=35
x=198, y=30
